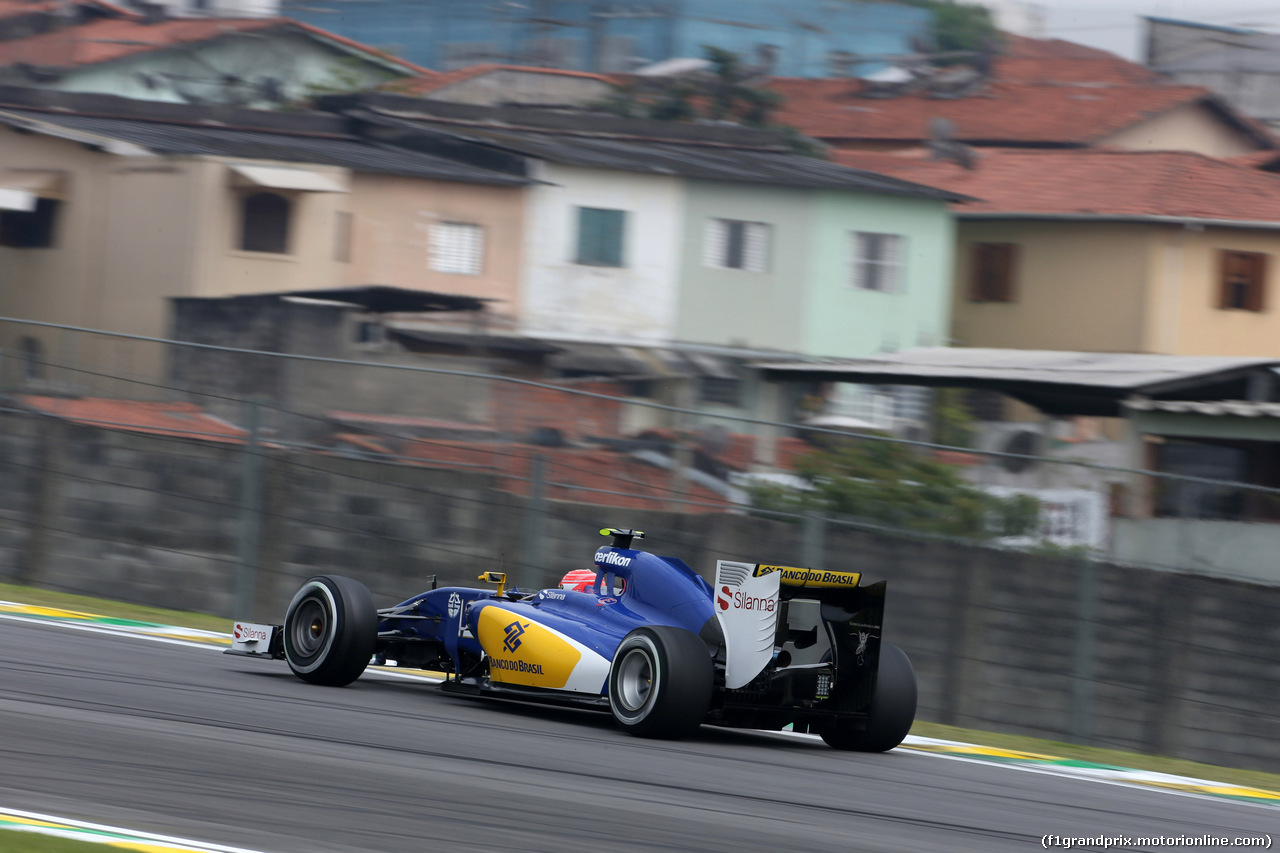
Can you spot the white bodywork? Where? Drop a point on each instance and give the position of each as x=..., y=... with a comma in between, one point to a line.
x=251, y=638
x=747, y=607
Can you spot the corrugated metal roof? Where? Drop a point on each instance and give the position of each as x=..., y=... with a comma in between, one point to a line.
x=1054, y=367
x=689, y=159
x=1056, y=382
x=163, y=137
x=1217, y=408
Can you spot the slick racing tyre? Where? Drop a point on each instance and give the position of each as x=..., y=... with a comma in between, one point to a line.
x=893, y=708
x=660, y=682
x=330, y=630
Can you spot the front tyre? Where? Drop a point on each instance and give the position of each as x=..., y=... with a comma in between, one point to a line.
x=660, y=682
x=892, y=711
x=330, y=630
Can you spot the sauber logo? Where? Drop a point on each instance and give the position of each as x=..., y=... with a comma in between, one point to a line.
x=455, y=604
x=728, y=597
x=248, y=633
x=513, y=632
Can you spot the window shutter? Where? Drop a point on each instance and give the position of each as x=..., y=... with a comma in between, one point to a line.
x=755, y=256
x=993, y=270
x=611, y=237
x=342, y=226
x=1005, y=256
x=858, y=251
x=890, y=263
x=588, y=235
x=877, y=261
x=457, y=247
x=1256, y=300
x=714, y=242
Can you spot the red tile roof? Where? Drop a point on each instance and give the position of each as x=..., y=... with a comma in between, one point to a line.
x=108, y=39
x=1268, y=160
x=1002, y=113
x=433, y=81
x=1040, y=92
x=582, y=475
x=1092, y=182
x=14, y=8
x=185, y=420
x=1051, y=61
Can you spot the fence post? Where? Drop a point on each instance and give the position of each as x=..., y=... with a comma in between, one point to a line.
x=250, y=515
x=531, y=527
x=1082, y=652
x=813, y=540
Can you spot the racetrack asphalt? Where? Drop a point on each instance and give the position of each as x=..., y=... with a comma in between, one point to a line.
x=181, y=741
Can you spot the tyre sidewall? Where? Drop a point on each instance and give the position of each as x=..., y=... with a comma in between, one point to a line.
x=892, y=710
x=322, y=589
x=638, y=642
x=351, y=634
x=681, y=685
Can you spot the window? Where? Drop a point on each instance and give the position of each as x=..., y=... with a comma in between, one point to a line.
x=457, y=247
x=877, y=261
x=735, y=245
x=994, y=266
x=342, y=237
x=600, y=234
x=720, y=390
x=370, y=332
x=265, y=223
x=1244, y=281
x=29, y=229
x=32, y=359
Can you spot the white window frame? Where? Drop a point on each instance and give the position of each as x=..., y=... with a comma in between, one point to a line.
x=756, y=237
x=457, y=248
x=889, y=266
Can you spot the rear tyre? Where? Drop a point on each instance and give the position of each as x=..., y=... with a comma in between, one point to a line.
x=660, y=682
x=330, y=630
x=893, y=708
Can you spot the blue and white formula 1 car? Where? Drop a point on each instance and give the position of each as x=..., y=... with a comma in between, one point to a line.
x=649, y=640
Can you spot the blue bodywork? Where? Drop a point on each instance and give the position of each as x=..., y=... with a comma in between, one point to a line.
x=656, y=591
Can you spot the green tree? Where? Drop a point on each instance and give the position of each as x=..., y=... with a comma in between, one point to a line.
x=959, y=27
x=898, y=486
x=722, y=93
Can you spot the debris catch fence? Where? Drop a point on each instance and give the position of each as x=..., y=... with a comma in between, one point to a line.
x=125, y=478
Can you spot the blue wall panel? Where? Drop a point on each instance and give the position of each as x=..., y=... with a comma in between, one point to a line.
x=610, y=35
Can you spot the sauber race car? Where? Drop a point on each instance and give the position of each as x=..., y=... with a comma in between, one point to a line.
x=644, y=637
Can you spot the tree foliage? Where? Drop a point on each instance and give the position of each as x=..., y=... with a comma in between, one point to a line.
x=900, y=487
x=959, y=26
x=725, y=92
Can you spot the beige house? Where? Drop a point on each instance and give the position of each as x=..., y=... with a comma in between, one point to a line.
x=103, y=219
x=1110, y=251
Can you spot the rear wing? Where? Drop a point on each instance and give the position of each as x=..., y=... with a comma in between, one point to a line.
x=752, y=603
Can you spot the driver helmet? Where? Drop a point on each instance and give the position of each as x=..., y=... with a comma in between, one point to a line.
x=582, y=580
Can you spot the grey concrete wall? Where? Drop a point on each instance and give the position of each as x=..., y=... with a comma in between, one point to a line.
x=298, y=394
x=1059, y=648
x=1243, y=550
